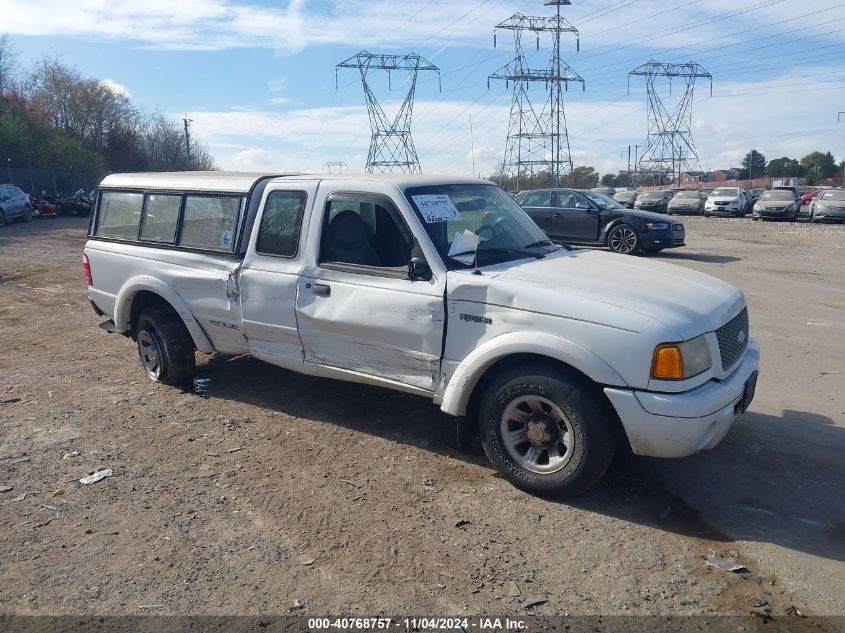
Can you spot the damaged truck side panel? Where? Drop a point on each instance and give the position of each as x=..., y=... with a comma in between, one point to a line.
x=438, y=287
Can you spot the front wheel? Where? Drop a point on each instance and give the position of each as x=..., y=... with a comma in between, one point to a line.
x=165, y=347
x=2, y=219
x=27, y=214
x=623, y=239
x=547, y=432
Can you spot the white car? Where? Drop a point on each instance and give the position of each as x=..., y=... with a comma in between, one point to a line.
x=727, y=201
x=440, y=287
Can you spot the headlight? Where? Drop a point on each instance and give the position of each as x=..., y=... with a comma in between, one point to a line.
x=679, y=361
x=655, y=226
x=759, y=208
x=820, y=207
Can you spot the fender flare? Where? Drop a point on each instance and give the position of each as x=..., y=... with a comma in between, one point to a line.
x=123, y=307
x=464, y=379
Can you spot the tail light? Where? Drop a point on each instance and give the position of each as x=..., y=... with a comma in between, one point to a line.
x=86, y=268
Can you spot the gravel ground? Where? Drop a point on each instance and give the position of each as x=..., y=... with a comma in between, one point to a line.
x=280, y=489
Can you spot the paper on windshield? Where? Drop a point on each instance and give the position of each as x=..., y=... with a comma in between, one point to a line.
x=463, y=242
x=437, y=208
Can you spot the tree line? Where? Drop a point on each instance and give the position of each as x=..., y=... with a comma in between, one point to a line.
x=53, y=117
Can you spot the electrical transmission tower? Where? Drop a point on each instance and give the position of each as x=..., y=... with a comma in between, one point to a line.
x=391, y=146
x=669, y=148
x=537, y=137
x=330, y=165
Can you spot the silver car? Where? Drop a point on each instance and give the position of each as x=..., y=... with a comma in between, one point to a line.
x=14, y=205
x=687, y=203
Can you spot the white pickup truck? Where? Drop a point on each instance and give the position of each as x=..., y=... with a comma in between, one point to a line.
x=441, y=287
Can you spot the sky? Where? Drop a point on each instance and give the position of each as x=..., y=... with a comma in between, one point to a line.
x=258, y=79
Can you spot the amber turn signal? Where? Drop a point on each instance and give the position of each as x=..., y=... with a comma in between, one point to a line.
x=668, y=363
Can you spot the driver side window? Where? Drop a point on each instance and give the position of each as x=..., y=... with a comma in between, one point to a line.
x=570, y=199
x=362, y=232
x=537, y=199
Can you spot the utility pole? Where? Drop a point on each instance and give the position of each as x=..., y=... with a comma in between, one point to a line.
x=838, y=119
x=636, y=162
x=537, y=137
x=391, y=146
x=187, y=123
x=669, y=143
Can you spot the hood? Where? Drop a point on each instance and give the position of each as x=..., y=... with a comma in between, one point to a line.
x=614, y=290
x=684, y=202
x=774, y=204
x=650, y=215
x=723, y=198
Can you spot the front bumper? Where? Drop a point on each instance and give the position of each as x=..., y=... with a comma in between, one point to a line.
x=730, y=211
x=677, y=425
x=837, y=215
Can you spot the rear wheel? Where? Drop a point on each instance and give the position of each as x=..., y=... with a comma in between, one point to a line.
x=623, y=239
x=165, y=347
x=546, y=432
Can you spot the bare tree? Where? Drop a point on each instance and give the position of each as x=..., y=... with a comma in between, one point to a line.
x=8, y=66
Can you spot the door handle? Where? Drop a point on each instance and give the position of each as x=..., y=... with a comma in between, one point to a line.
x=558, y=215
x=322, y=290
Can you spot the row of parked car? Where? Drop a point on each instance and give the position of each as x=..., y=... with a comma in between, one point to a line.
x=778, y=203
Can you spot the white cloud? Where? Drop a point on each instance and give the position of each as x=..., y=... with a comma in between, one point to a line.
x=220, y=24
x=116, y=87
x=252, y=160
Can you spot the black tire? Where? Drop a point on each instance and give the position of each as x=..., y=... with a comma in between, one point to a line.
x=581, y=419
x=165, y=347
x=2, y=219
x=623, y=239
x=27, y=214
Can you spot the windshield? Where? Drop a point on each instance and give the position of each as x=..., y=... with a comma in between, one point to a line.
x=625, y=195
x=461, y=219
x=725, y=193
x=834, y=195
x=688, y=195
x=652, y=196
x=777, y=195
x=602, y=201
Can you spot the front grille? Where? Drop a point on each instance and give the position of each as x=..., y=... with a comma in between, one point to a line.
x=678, y=227
x=733, y=339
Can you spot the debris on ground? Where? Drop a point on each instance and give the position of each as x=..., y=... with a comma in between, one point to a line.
x=10, y=400
x=462, y=523
x=202, y=387
x=59, y=492
x=71, y=454
x=20, y=497
x=298, y=604
x=534, y=601
x=793, y=610
x=513, y=590
x=6, y=488
x=715, y=559
x=96, y=476
x=19, y=460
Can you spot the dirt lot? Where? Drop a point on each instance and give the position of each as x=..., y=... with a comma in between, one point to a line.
x=352, y=500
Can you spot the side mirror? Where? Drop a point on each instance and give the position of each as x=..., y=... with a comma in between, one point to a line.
x=583, y=206
x=419, y=270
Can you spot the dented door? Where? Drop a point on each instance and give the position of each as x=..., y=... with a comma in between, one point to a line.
x=384, y=327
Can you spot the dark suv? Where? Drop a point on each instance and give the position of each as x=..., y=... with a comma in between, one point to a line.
x=576, y=216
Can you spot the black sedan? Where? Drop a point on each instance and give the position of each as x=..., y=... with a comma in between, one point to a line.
x=576, y=216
